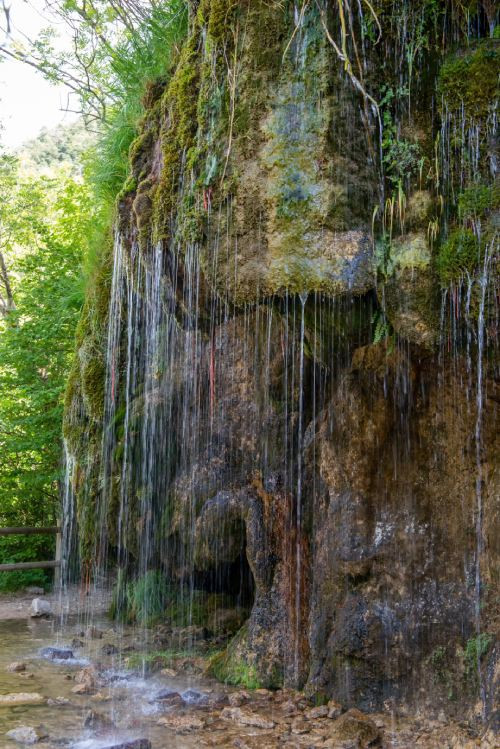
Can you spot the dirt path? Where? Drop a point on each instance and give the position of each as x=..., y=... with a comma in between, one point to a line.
x=18, y=605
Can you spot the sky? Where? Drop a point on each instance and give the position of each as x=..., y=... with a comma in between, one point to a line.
x=27, y=101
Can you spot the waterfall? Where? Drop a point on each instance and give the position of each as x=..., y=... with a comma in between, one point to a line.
x=280, y=445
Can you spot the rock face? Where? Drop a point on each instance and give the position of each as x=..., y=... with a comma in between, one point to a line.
x=287, y=413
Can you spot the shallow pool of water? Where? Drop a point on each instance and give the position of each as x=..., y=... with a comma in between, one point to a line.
x=125, y=698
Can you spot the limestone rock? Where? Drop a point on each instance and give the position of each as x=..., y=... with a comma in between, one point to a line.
x=182, y=723
x=408, y=292
x=87, y=677
x=57, y=654
x=58, y=701
x=246, y=718
x=21, y=698
x=356, y=726
x=27, y=734
x=133, y=744
x=97, y=721
x=316, y=712
x=169, y=697
x=17, y=667
x=236, y=699
x=40, y=607
x=93, y=633
x=335, y=709
x=168, y=672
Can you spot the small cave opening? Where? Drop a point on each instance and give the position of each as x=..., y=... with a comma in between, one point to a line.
x=233, y=580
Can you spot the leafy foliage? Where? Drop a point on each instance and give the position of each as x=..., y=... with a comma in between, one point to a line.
x=43, y=226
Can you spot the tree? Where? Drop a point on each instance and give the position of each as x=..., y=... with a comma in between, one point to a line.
x=47, y=222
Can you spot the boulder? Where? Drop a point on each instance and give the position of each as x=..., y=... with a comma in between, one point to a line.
x=316, y=712
x=40, y=607
x=27, y=734
x=358, y=727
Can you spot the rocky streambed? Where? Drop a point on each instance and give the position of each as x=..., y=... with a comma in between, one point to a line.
x=95, y=686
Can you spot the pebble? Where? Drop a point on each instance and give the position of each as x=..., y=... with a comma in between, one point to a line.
x=16, y=667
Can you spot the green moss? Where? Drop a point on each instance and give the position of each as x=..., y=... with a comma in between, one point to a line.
x=475, y=650
x=129, y=187
x=470, y=80
x=93, y=377
x=178, y=111
x=228, y=668
x=156, y=660
x=220, y=17
x=458, y=255
x=477, y=200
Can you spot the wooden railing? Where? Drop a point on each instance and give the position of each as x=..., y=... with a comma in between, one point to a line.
x=46, y=565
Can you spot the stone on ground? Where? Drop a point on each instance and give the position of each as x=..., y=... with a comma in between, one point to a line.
x=27, y=734
x=182, y=723
x=16, y=667
x=40, y=607
x=21, y=698
x=356, y=726
x=246, y=718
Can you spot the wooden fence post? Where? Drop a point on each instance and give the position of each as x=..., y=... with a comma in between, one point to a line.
x=57, y=570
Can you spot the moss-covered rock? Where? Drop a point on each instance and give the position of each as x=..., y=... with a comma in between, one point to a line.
x=469, y=79
x=407, y=296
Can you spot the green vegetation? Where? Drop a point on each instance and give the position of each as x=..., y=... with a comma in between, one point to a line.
x=462, y=252
x=470, y=79
x=476, y=649
x=156, y=659
x=458, y=255
x=43, y=225
x=150, y=598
